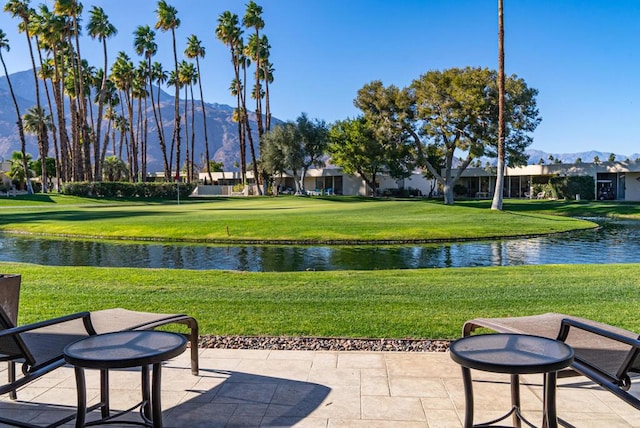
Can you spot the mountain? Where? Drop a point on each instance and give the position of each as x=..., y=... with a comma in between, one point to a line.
x=536, y=155
x=222, y=131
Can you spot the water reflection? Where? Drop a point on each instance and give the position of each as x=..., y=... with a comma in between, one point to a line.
x=615, y=242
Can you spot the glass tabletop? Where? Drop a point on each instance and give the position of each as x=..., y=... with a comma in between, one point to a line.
x=511, y=353
x=125, y=349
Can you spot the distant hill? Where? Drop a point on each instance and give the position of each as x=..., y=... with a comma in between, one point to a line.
x=536, y=155
x=222, y=131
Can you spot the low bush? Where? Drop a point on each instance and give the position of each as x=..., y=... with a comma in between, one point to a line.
x=119, y=189
x=569, y=187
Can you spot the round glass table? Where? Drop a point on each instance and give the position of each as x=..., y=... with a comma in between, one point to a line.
x=119, y=350
x=513, y=354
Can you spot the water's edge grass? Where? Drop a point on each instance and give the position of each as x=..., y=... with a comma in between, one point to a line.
x=426, y=303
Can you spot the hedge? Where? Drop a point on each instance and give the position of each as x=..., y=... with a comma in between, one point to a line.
x=119, y=189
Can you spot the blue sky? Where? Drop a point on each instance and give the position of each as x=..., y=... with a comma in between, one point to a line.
x=582, y=56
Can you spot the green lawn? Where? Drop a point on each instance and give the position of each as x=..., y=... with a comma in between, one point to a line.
x=427, y=303
x=311, y=220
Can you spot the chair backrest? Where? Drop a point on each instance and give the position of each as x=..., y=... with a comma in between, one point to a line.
x=11, y=347
x=10, y=296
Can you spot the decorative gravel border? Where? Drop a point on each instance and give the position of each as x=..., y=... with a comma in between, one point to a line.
x=322, y=344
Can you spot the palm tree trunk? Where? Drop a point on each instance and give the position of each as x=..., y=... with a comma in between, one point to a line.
x=497, y=196
x=204, y=123
x=23, y=142
x=98, y=132
x=186, y=131
x=176, y=131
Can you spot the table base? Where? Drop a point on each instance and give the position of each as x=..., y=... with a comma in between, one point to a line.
x=150, y=406
x=549, y=419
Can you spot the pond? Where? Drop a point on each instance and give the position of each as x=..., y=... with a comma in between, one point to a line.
x=615, y=242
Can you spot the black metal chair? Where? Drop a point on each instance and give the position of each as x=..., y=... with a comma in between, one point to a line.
x=603, y=353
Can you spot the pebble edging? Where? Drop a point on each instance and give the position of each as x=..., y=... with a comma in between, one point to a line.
x=322, y=344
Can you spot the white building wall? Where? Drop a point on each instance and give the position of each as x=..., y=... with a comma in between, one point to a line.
x=632, y=186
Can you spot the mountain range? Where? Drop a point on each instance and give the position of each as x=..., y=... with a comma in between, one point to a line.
x=221, y=129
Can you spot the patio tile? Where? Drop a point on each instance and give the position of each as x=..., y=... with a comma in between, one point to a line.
x=361, y=360
x=374, y=382
x=321, y=389
x=325, y=360
x=392, y=408
x=406, y=386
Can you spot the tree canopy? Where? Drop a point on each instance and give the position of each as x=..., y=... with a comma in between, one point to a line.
x=455, y=110
x=295, y=147
x=359, y=149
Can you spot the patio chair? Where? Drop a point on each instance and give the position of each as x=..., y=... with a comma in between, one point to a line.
x=39, y=346
x=603, y=353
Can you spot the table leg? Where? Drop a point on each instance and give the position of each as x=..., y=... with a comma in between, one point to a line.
x=156, y=405
x=515, y=400
x=146, y=393
x=104, y=392
x=550, y=417
x=468, y=397
x=82, y=397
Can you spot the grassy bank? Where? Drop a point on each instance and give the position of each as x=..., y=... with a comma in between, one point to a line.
x=431, y=303
x=342, y=219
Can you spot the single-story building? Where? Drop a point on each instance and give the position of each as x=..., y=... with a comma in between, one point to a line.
x=330, y=180
x=613, y=180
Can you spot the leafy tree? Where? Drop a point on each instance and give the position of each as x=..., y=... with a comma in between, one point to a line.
x=216, y=166
x=612, y=157
x=596, y=160
x=295, y=146
x=279, y=152
x=358, y=149
x=455, y=110
x=578, y=161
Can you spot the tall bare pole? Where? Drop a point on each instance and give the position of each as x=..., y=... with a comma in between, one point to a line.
x=497, y=196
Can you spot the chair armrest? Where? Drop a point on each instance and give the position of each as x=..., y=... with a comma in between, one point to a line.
x=37, y=325
x=567, y=323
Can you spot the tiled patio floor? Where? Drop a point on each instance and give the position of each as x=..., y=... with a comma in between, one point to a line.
x=321, y=389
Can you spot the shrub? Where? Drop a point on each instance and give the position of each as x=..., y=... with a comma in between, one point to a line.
x=119, y=189
x=569, y=187
x=459, y=190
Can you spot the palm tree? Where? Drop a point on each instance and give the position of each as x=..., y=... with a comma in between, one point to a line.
x=21, y=9
x=253, y=19
x=53, y=39
x=4, y=44
x=196, y=50
x=229, y=32
x=267, y=70
x=122, y=74
x=145, y=45
x=100, y=28
x=174, y=81
x=38, y=122
x=497, y=196
x=188, y=76
x=114, y=168
x=168, y=20
x=160, y=76
x=17, y=171
x=71, y=10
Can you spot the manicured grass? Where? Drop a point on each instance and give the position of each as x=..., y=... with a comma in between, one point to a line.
x=429, y=303
x=342, y=219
